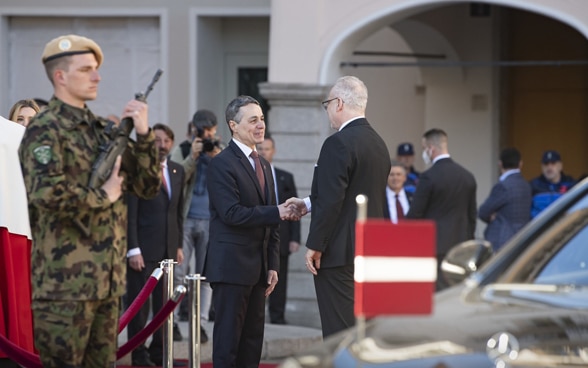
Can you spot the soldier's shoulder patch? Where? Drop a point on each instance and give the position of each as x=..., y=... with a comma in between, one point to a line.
x=42, y=154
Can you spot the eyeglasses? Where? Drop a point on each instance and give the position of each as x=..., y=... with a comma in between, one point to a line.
x=326, y=102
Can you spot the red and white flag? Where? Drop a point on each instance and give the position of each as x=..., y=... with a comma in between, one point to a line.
x=395, y=267
x=15, y=242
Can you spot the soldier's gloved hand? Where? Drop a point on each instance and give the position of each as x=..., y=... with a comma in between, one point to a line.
x=113, y=186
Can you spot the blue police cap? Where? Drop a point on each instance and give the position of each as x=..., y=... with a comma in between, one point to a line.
x=550, y=156
x=405, y=149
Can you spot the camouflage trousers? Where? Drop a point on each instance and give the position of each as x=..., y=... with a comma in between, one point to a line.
x=76, y=334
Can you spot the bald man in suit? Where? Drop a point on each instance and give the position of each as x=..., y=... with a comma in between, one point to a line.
x=352, y=161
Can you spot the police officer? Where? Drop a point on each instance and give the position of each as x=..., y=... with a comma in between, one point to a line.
x=405, y=155
x=79, y=232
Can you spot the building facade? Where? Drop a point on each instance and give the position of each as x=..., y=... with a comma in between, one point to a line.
x=492, y=74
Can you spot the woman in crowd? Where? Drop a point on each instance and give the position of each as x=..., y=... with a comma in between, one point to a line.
x=23, y=111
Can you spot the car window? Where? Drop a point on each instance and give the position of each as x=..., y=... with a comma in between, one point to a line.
x=559, y=256
x=569, y=265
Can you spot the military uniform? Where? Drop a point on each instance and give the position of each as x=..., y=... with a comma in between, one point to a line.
x=79, y=236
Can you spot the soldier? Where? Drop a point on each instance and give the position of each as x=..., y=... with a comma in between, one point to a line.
x=79, y=232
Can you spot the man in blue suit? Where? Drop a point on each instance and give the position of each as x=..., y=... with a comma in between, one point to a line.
x=507, y=208
x=243, y=257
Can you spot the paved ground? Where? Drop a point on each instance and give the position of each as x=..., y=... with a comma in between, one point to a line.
x=280, y=342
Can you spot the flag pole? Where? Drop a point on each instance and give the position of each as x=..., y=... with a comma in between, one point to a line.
x=361, y=201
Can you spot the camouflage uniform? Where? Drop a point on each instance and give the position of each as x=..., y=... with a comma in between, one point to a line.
x=77, y=279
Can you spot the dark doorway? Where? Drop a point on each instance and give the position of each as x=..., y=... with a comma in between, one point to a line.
x=248, y=84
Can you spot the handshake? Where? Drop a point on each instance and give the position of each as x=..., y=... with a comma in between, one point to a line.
x=293, y=209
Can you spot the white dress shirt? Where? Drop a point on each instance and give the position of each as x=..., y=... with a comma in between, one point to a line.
x=391, y=196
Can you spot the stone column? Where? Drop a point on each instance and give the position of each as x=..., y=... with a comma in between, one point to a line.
x=299, y=125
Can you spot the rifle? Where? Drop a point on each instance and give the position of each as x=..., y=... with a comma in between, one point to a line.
x=109, y=151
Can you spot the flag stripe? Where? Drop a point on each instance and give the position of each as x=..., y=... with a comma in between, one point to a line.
x=410, y=298
x=395, y=269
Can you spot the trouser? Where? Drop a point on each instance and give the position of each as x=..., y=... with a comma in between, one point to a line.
x=195, y=243
x=72, y=334
x=277, y=299
x=238, y=325
x=335, y=296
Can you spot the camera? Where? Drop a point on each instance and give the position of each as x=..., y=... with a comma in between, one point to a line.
x=208, y=145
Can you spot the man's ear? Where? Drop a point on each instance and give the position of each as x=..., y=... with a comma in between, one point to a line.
x=232, y=124
x=58, y=77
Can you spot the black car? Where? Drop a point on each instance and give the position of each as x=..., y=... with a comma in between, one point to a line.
x=527, y=306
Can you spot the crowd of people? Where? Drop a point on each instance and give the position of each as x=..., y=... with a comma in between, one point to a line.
x=221, y=209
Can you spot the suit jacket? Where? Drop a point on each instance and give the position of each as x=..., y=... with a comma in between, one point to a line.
x=156, y=225
x=289, y=230
x=446, y=193
x=353, y=161
x=244, y=238
x=510, y=200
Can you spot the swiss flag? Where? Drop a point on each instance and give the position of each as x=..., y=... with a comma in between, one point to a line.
x=395, y=267
x=15, y=243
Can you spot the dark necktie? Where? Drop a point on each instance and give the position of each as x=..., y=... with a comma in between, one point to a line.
x=399, y=211
x=258, y=170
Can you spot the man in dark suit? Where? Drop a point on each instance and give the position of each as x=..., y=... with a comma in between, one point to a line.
x=155, y=231
x=289, y=232
x=398, y=198
x=242, y=260
x=353, y=161
x=446, y=193
x=508, y=207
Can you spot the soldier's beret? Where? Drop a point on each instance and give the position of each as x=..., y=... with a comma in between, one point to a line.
x=71, y=45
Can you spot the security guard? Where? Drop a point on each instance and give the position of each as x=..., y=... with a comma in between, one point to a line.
x=79, y=232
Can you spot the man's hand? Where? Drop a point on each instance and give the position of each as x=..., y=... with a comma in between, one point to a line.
x=137, y=111
x=294, y=246
x=313, y=260
x=196, y=148
x=298, y=204
x=136, y=262
x=113, y=186
x=180, y=256
x=272, y=280
x=289, y=213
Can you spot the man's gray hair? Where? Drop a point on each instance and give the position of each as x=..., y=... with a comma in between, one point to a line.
x=352, y=91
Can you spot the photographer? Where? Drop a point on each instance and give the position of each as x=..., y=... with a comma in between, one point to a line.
x=204, y=145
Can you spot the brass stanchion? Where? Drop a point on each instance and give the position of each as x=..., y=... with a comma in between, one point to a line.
x=167, y=265
x=193, y=281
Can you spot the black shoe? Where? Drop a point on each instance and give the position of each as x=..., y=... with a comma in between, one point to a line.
x=279, y=321
x=203, y=335
x=177, y=333
x=143, y=361
x=176, y=363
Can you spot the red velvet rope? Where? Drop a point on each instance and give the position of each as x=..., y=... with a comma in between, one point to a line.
x=139, y=300
x=155, y=323
x=19, y=355
x=30, y=360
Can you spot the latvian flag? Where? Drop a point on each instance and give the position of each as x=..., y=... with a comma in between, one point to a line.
x=395, y=267
x=15, y=243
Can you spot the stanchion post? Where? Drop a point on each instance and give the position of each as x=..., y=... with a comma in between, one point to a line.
x=193, y=281
x=361, y=201
x=168, y=326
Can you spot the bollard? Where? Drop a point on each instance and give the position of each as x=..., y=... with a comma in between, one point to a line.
x=193, y=281
x=167, y=265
